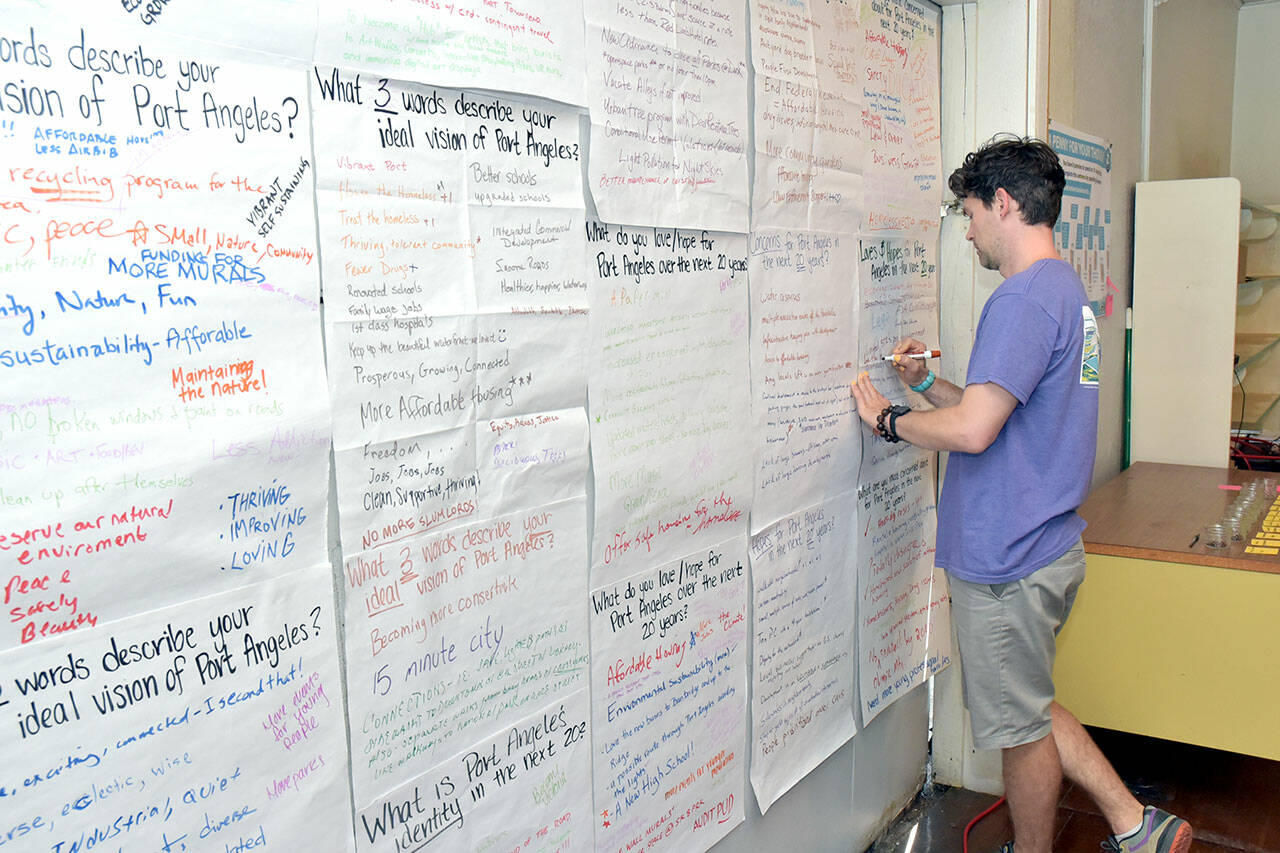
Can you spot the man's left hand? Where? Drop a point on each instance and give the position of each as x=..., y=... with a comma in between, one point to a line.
x=870, y=401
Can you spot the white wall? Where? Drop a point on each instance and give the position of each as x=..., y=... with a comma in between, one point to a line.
x=1192, y=84
x=1255, y=128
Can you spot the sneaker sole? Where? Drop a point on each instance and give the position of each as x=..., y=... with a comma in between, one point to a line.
x=1181, y=839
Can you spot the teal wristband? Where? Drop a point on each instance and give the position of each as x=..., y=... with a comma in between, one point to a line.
x=925, y=385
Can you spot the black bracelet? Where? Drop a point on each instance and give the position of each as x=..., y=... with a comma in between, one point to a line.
x=896, y=412
x=887, y=423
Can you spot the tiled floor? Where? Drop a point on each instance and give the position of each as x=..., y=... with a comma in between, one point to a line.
x=1232, y=801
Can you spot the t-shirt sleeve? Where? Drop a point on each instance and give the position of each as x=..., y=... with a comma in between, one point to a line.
x=1014, y=345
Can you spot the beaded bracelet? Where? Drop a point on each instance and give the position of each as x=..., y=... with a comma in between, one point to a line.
x=881, y=429
x=925, y=385
x=889, y=431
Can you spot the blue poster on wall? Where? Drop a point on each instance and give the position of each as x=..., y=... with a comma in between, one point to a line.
x=1084, y=225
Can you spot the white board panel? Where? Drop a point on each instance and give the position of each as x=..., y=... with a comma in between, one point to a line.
x=1184, y=313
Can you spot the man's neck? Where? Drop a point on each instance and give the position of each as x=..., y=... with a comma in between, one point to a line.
x=1031, y=245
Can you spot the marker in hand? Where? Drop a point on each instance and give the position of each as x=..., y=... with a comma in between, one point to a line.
x=933, y=353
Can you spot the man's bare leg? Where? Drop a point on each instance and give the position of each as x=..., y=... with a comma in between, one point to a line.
x=1083, y=763
x=1032, y=780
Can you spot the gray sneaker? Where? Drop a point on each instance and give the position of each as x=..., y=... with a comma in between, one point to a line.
x=1160, y=832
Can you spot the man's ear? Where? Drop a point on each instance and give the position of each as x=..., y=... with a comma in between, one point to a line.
x=1005, y=204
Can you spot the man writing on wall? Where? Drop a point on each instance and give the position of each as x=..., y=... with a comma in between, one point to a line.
x=1022, y=436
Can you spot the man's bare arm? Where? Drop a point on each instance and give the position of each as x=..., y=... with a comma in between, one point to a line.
x=968, y=426
x=913, y=371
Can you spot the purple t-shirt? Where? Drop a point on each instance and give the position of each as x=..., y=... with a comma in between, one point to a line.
x=1011, y=509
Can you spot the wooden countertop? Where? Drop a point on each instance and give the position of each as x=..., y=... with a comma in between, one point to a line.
x=1153, y=511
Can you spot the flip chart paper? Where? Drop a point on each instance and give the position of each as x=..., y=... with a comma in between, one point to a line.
x=533, y=46
x=904, y=632
x=668, y=681
x=901, y=125
x=164, y=419
x=118, y=735
x=528, y=787
x=802, y=692
x=465, y=245
x=667, y=91
x=899, y=300
x=808, y=111
x=457, y=303
x=803, y=346
x=669, y=393
x=444, y=646
x=904, y=621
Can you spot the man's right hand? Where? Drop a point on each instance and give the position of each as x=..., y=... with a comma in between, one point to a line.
x=912, y=371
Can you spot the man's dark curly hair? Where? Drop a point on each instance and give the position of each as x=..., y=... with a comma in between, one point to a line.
x=1028, y=169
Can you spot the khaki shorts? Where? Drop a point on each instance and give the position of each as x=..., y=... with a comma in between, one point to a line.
x=1008, y=635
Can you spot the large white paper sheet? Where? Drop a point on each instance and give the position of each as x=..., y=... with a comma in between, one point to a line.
x=904, y=619
x=901, y=126
x=667, y=91
x=802, y=691
x=454, y=635
x=669, y=401
x=804, y=288
x=526, y=788
x=668, y=686
x=531, y=46
x=899, y=278
x=813, y=42
x=808, y=111
x=162, y=405
x=457, y=299
x=457, y=237
x=212, y=724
